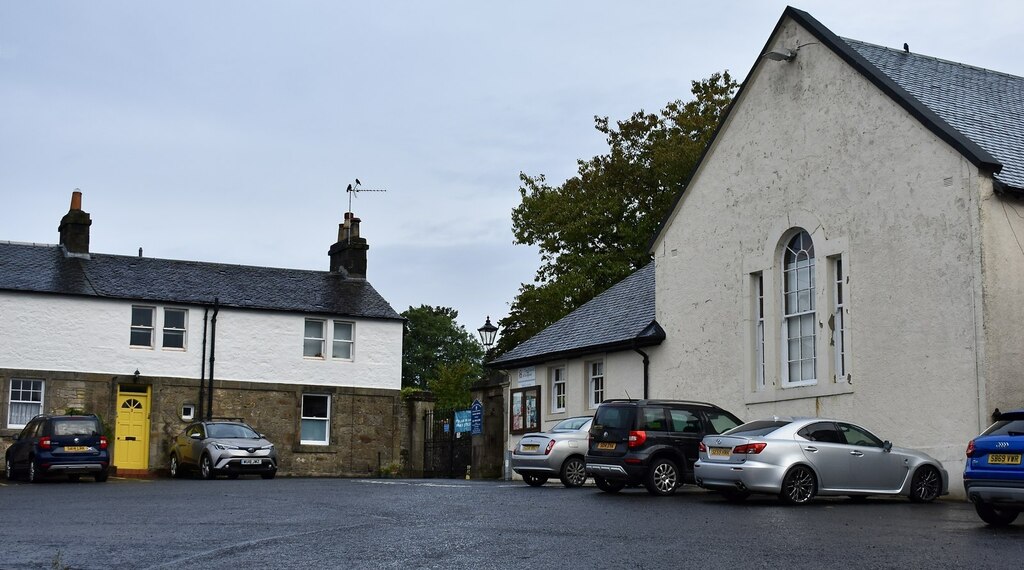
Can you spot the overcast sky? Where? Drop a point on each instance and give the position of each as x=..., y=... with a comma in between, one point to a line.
x=228, y=131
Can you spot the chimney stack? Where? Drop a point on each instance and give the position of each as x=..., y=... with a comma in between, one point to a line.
x=349, y=253
x=74, y=227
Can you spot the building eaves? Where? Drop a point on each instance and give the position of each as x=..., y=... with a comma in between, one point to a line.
x=621, y=318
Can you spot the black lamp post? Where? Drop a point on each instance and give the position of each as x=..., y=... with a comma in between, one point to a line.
x=487, y=334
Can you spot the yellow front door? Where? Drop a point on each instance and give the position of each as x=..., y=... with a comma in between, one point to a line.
x=131, y=448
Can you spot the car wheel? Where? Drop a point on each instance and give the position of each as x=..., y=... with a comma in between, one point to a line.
x=101, y=476
x=735, y=495
x=925, y=485
x=8, y=470
x=206, y=467
x=534, y=480
x=574, y=472
x=33, y=474
x=994, y=516
x=608, y=486
x=798, y=486
x=268, y=474
x=662, y=478
x=175, y=467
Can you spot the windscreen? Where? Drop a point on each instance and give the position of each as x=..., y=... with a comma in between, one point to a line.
x=232, y=431
x=571, y=424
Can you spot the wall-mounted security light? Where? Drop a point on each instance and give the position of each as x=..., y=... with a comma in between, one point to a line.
x=780, y=55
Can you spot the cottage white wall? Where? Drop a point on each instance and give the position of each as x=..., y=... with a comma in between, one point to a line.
x=49, y=332
x=623, y=379
x=813, y=144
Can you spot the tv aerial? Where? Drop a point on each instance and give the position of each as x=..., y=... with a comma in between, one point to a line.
x=353, y=189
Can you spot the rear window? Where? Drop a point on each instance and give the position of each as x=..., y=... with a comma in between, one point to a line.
x=1007, y=425
x=570, y=424
x=756, y=428
x=615, y=417
x=76, y=427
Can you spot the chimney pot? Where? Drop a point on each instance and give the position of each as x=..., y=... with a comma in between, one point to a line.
x=74, y=227
x=76, y=199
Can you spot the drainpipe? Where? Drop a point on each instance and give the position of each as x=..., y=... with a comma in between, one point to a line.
x=213, y=350
x=647, y=364
x=202, y=366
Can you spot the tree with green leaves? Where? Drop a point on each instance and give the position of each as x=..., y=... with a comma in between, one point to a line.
x=440, y=355
x=595, y=228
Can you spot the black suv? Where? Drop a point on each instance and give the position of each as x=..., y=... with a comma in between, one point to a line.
x=653, y=442
x=50, y=445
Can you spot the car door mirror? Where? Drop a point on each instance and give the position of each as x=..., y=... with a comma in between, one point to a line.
x=887, y=446
x=195, y=436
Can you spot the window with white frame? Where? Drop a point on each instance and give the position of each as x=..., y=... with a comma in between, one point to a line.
x=343, y=340
x=839, y=320
x=798, y=351
x=316, y=410
x=26, y=402
x=596, y=391
x=759, y=375
x=142, y=326
x=557, y=390
x=313, y=338
x=175, y=321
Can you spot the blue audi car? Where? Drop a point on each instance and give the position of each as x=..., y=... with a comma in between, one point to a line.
x=994, y=475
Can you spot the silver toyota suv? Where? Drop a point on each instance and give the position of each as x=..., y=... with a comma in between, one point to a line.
x=222, y=448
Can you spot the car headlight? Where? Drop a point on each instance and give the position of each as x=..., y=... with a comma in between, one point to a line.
x=223, y=446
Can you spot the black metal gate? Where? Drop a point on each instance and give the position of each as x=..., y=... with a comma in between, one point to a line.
x=445, y=453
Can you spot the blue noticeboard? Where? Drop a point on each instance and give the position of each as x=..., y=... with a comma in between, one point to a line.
x=462, y=421
x=477, y=413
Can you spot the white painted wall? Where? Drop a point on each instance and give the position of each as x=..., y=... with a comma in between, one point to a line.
x=623, y=379
x=813, y=144
x=50, y=332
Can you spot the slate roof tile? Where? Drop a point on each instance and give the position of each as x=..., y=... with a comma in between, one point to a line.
x=46, y=269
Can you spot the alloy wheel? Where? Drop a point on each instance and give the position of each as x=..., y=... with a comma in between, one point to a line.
x=924, y=487
x=798, y=487
x=574, y=472
x=206, y=467
x=663, y=477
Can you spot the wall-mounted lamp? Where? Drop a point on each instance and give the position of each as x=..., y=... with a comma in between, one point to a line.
x=780, y=55
x=136, y=374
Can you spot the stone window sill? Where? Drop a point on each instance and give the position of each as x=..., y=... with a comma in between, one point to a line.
x=798, y=393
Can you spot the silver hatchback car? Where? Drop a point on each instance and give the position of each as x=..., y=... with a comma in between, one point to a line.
x=798, y=459
x=560, y=452
x=222, y=447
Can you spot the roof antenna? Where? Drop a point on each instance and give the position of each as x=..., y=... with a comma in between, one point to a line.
x=353, y=188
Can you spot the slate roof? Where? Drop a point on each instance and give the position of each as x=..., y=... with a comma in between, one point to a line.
x=621, y=318
x=46, y=269
x=986, y=107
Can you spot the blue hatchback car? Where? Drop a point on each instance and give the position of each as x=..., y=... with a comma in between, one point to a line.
x=59, y=445
x=994, y=475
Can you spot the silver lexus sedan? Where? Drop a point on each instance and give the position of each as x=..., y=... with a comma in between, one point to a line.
x=560, y=452
x=798, y=459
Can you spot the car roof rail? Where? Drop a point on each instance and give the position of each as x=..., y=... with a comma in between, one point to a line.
x=659, y=401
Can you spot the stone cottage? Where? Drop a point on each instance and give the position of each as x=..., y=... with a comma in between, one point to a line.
x=311, y=358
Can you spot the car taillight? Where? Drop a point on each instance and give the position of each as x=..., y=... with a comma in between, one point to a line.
x=44, y=443
x=637, y=438
x=702, y=448
x=970, y=449
x=750, y=448
x=103, y=442
x=551, y=444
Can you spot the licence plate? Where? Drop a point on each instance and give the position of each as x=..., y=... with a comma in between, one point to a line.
x=606, y=445
x=531, y=446
x=1004, y=459
x=720, y=451
x=77, y=448
x=251, y=461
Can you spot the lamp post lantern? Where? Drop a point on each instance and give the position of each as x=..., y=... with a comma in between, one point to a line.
x=487, y=334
